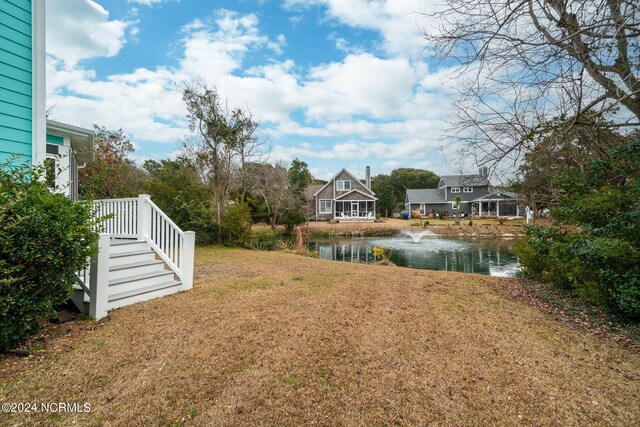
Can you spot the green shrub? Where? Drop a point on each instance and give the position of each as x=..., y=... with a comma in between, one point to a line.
x=199, y=216
x=236, y=224
x=601, y=261
x=264, y=240
x=292, y=218
x=44, y=239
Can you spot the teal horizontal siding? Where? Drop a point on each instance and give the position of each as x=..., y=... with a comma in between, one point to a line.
x=22, y=4
x=11, y=97
x=53, y=139
x=11, y=21
x=20, y=160
x=15, y=36
x=17, y=135
x=17, y=48
x=17, y=123
x=15, y=73
x=16, y=11
x=14, y=110
x=16, y=89
x=15, y=85
x=11, y=148
x=13, y=60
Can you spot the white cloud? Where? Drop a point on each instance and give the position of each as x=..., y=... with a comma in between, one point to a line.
x=85, y=33
x=399, y=22
x=353, y=86
x=385, y=108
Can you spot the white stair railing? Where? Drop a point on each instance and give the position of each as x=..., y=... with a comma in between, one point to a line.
x=174, y=246
x=136, y=218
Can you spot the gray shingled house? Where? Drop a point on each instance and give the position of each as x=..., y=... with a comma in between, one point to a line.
x=344, y=198
x=477, y=194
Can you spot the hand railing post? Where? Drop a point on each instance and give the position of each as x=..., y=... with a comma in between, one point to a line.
x=144, y=216
x=187, y=259
x=99, y=279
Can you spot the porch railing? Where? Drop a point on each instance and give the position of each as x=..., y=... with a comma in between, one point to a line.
x=123, y=220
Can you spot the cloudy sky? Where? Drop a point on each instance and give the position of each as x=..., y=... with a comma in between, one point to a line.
x=335, y=83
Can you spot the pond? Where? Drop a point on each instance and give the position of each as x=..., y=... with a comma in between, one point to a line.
x=425, y=250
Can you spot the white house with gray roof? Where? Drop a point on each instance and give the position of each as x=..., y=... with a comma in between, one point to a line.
x=477, y=196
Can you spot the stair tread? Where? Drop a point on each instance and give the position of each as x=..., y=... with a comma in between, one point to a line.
x=135, y=264
x=131, y=253
x=120, y=242
x=139, y=277
x=144, y=290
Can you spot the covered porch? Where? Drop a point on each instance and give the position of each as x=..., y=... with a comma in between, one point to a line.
x=355, y=210
x=495, y=207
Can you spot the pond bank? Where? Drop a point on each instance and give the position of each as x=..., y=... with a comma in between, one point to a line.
x=500, y=231
x=392, y=227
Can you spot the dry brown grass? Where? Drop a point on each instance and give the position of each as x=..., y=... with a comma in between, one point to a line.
x=268, y=338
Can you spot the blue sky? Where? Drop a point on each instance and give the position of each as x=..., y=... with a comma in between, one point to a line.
x=335, y=83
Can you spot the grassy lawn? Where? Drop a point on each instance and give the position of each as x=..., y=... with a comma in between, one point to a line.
x=269, y=338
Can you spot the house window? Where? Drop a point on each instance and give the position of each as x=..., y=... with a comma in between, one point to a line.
x=455, y=189
x=343, y=185
x=325, y=207
x=467, y=189
x=50, y=172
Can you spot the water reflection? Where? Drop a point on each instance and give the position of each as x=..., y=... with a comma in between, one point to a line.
x=482, y=256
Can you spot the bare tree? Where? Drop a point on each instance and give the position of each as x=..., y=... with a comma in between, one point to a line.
x=224, y=139
x=249, y=149
x=270, y=183
x=526, y=65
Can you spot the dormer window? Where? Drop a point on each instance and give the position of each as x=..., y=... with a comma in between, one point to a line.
x=455, y=189
x=467, y=189
x=343, y=185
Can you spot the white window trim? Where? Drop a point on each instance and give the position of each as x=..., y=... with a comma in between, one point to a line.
x=325, y=211
x=466, y=189
x=343, y=181
x=455, y=189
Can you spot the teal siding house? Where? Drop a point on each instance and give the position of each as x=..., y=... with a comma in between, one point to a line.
x=142, y=253
x=26, y=136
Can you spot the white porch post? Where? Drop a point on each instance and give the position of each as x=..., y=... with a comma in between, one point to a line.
x=99, y=279
x=187, y=259
x=498, y=208
x=517, y=210
x=480, y=214
x=144, y=216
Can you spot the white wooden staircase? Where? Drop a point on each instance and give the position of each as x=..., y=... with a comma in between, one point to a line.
x=143, y=255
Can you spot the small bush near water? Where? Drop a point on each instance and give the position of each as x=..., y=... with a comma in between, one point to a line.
x=600, y=260
x=264, y=240
x=44, y=239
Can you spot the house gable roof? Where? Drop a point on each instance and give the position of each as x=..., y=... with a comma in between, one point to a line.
x=311, y=190
x=355, y=190
x=337, y=175
x=425, y=195
x=463, y=180
x=497, y=195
